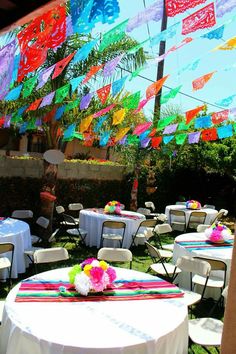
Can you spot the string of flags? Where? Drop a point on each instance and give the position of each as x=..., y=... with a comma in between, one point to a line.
x=35, y=40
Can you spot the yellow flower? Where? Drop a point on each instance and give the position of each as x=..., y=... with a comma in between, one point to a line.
x=103, y=265
x=87, y=269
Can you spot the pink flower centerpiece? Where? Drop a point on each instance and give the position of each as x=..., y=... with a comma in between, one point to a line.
x=218, y=233
x=193, y=204
x=113, y=207
x=91, y=275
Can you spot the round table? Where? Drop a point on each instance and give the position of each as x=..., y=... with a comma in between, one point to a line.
x=18, y=233
x=224, y=254
x=211, y=213
x=157, y=326
x=91, y=220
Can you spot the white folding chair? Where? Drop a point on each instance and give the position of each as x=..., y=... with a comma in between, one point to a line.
x=42, y=224
x=144, y=231
x=6, y=262
x=160, y=267
x=144, y=211
x=22, y=214
x=194, y=267
x=113, y=231
x=208, y=206
x=50, y=255
x=161, y=230
x=196, y=218
x=178, y=220
x=115, y=255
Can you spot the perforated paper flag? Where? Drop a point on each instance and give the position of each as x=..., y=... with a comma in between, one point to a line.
x=44, y=76
x=203, y=122
x=180, y=138
x=84, y=51
x=47, y=100
x=103, y=93
x=200, y=82
x=220, y=117
x=152, y=13
x=132, y=101
x=224, y=6
x=61, y=93
x=225, y=132
x=154, y=88
x=174, y=7
x=203, y=18
x=114, y=35
x=162, y=123
x=29, y=86
x=193, y=138
x=85, y=123
x=118, y=85
x=13, y=94
x=118, y=116
x=85, y=101
x=111, y=65
x=60, y=65
x=142, y=128
x=192, y=113
x=209, y=134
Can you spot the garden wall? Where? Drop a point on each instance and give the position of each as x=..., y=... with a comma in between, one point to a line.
x=10, y=167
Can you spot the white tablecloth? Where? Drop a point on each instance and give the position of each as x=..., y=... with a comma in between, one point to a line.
x=223, y=254
x=103, y=327
x=211, y=213
x=92, y=221
x=18, y=233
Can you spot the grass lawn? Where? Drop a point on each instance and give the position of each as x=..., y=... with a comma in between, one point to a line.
x=141, y=262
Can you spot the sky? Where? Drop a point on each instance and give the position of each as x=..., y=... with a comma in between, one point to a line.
x=222, y=83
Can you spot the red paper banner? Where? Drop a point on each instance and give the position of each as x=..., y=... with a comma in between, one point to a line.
x=154, y=88
x=203, y=18
x=48, y=117
x=220, y=117
x=34, y=105
x=156, y=141
x=93, y=70
x=103, y=93
x=174, y=7
x=60, y=65
x=35, y=39
x=200, y=82
x=192, y=113
x=209, y=134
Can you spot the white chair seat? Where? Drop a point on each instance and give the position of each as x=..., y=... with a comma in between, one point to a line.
x=76, y=232
x=190, y=297
x=206, y=331
x=4, y=263
x=170, y=268
x=168, y=247
x=213, y=281
x=35, y=239
x=112, y=237
x=165, y=253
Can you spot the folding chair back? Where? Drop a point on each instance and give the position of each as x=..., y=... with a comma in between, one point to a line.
x=178, y=219
x=144, y=211
x=5, y=262
x=144, y=231
x=115, y=255
x=216, y=265
x=209, y=206
x=196, y=218
x=22, y=214
x=75, y=206
x=42, y=224
x=220, y=215
x=119, y=226
x=60, y=209
x=49, y=255
x=150, y=205
x=161, y=268
x=73, y=230
x=195, y=266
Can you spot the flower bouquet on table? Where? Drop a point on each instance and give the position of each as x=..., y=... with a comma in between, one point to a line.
x=91, y=275
x=113, y=207
x=218, y=233
x=193, y=204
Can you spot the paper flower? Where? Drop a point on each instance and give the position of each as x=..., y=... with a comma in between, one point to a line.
x=113, y=207
x=193, y=204
x=218, y=233
x=91, y=275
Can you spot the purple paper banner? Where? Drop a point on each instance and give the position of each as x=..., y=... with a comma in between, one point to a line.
x=193, y=138
x=224, y=6
x=170, y=129
x=44, y=76
x=6, y=67
x=47, y=100
x=152, y=13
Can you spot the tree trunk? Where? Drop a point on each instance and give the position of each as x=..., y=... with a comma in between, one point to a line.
x=47, y=194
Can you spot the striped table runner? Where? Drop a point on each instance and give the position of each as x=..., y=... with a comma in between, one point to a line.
x=192, y=245
x=32, y=290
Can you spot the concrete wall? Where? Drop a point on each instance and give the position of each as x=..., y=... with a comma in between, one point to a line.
x=34, y=168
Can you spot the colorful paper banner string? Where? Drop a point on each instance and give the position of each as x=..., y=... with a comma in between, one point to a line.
x=152, y=13
x=174, y=7
x=203, y=18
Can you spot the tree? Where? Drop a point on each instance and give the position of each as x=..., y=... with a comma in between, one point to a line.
x=51, y=127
